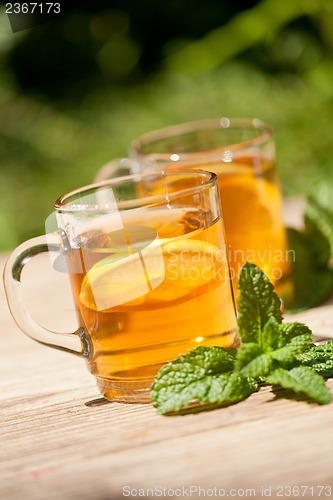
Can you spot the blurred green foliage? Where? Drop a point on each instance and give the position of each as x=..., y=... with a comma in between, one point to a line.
x=76, y=91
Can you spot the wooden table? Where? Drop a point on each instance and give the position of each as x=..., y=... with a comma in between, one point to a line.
x=60, y=440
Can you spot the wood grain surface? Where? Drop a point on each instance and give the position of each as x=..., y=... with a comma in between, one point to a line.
x=61, y=440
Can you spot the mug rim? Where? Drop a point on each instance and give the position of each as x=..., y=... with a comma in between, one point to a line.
x=62, y=205
x=197, y=125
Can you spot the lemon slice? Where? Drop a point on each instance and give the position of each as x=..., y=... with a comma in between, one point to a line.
x=250, y=204
x=165, y=270
x=189, y=265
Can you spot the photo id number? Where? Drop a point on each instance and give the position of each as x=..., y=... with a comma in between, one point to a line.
x=301, y=491
x=31, y=8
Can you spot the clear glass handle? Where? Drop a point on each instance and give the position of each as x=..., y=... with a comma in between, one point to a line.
x=76, y=342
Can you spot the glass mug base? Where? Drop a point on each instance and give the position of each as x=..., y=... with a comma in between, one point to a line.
x=133, y=386
x=126, y=389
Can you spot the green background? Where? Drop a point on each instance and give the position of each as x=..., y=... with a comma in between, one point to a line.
x=74, y=92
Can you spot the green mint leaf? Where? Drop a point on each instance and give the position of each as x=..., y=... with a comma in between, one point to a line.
x=276, y=336
x=258, y=367
x=297, y=345
x=311, y=280
x=288, y=331
x=252, y=361
x=246, y=353
x=256, y=304
x=198, y=363
x=204, y=375
x=320, y=358
x=236, y=388
x=270, y=337
x=280, y=342
x=226, y=388
x=301, y=379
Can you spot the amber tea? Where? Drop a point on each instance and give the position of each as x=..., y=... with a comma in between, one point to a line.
x=145, y=302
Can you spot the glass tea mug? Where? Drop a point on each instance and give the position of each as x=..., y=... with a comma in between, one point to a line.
x=149, y=274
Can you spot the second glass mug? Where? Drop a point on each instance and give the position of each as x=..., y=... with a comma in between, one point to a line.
x=148, y=272
x=242, y=154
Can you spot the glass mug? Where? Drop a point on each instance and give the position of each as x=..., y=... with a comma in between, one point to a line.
x=149, y=275
x=242, y=154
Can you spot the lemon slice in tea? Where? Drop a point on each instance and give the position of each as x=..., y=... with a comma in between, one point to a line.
x=162, y=272
x=189, y=265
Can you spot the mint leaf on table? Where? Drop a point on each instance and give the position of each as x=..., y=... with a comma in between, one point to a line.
x=291, y=339
x=270, y=337
x=320, y=358
x=204, y=374
x=256, y=304
x=276, y=335
x=246, y=353
x=279, y=342
x=301, y=379
x=297, y=345
x=271, y=352
x=290, y=331
x=224, y=388
x=252, y=361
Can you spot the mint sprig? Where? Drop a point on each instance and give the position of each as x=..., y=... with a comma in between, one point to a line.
x=271, y=353
x=301, y=379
